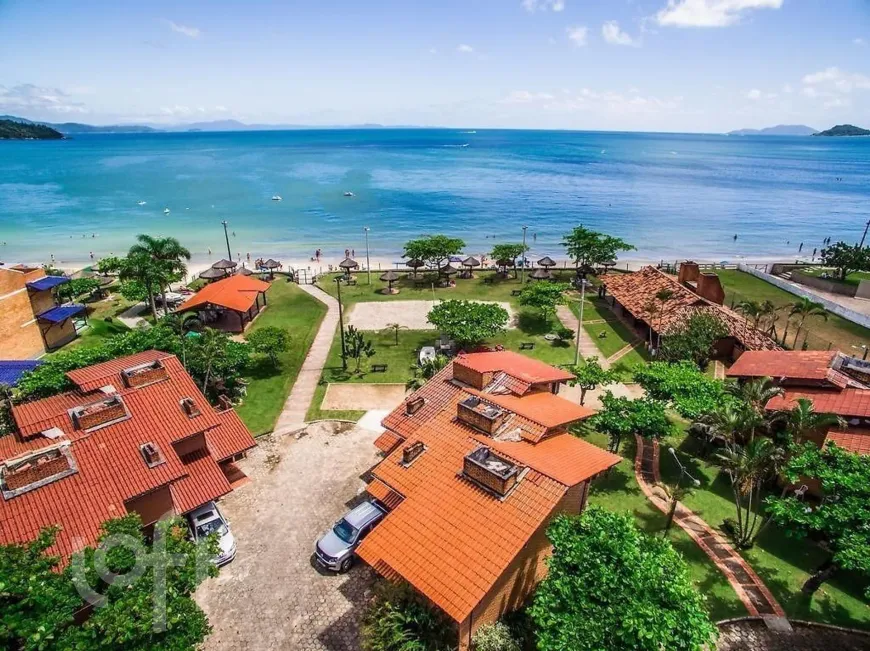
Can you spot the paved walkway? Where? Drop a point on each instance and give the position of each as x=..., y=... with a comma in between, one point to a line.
x=130, y=317
x=756, y=634
x=588, y=348
x=746, y=583
x=296, y=407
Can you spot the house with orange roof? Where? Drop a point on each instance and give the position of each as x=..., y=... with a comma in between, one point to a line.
x=229, y=304
x=476, y=464
x=657, y=303
x=135, y=434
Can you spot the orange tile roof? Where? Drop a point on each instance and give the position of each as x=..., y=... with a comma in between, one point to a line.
x=543, y=407
x=855, y=440
x=448, y=537
x=790, y=365
x=387, y=441
x=99, y=375
x=237, y=293
x=849, y=403
x=637, y=291
x=519, y=366
x=111, y=469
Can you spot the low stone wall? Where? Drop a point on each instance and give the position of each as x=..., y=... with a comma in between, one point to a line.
x=832, y=286
x=835, y=308
x=753, y=634
x=863, y=290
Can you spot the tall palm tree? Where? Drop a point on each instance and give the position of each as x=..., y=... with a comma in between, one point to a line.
x=168, y=255
x=211, y=345
x=751, y=310
x=768, y=313
x=755, y=394
x=802, y=421
x=805, y=308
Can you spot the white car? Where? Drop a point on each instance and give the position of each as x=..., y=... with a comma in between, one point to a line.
x=207, y=520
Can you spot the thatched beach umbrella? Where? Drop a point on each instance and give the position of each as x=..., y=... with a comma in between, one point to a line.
x=271, y=265
x=415, y=264
x=469, y=263
x=448, y=270
x=546, y=261
x=212, y=274
x=541, y=274
x=244, y=271
x=347, y=264
x=607, y=264
x=390, y=277
x=225, y=264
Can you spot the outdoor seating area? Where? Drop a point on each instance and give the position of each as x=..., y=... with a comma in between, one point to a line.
x=229, y=304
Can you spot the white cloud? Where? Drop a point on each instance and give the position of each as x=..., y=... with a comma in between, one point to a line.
x=709, y=13
x=835, y=80
x=524, y=97
x=465, y=49
x=534, y=5
x=578, y=34
x=859, y=41
x=192, y=32
x=615, y=36
x=753, y=94
x=30, y=100
x=175, y=110
x=786, y=88
x=809, y=91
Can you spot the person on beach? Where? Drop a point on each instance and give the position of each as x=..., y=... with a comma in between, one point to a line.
x=347, y=253
x=353, y=253
x=801, y=247
x=735, y=238
x=814, y=253
x=209, y=251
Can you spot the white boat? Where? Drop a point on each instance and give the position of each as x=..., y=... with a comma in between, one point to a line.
x=141, y=203
x=348, y=194
x=276, y=197
x=166, y=211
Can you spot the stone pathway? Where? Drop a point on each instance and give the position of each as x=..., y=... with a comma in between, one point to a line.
x=746, y=583
x=757, y=634
x=718, y=370
x=130, y=317
x=296, y=406
x=622, y=352
x=588, y=348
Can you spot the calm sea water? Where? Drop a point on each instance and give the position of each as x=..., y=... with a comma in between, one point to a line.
x=671, y=195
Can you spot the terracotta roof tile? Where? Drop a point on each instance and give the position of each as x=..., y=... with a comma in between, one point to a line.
x=230, y=437
x=855, y=440
x=848, y=403
x=204, y=481
x=544, y=408
x=388, y=441
x=519, y=366
x=792, y=365
x=99, y=375
x=237, y=293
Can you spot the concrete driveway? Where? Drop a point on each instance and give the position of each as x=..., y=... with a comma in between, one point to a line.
x=272, y=596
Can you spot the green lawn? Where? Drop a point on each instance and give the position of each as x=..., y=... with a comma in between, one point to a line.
x=783, y=563
x=618, y=491
x=300, y=315
x=839, y=332
x=853, y=278
x=99, y=329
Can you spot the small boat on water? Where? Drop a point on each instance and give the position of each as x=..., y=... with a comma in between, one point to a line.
x=276, y=197
x=166, y=211
x=140, y=203
x=348, y=194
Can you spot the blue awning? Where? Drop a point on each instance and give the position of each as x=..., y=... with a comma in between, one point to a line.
x=61, y=313
x=47, y=282
x=12, y=370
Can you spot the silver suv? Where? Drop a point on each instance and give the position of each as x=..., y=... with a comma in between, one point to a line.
x=334, y=551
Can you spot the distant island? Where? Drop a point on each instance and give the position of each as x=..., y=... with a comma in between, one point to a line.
x=844, y=130
x=778, y=130
x=12, y=130
x=71, y=128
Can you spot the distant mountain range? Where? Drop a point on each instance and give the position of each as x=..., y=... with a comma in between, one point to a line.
x=844, y=130
x=778, y=130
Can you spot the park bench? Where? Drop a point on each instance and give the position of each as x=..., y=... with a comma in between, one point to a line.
x=516, y=292
x=527, y=345
x=379, y=368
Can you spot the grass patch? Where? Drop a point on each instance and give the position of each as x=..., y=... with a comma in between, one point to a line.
x=99, y=329
x=300, y=315
x=782, y=563
x=838, y=332
x=853, y=278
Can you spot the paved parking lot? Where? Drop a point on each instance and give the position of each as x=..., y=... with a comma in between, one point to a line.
x=271, y=596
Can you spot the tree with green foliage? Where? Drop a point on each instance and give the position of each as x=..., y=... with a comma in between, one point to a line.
x=494, y=637
x=395, y=327
x=129, y=618
x=433, y=249
x=803, y=423
x=426, y=371
x=803, y=308
x=109, y=265
x=37, y=601
x=357, y=346
x=269, y=341
x=846, y=258
x=467, y=322
x=590, y=375
x=141, y=269
x=134, y=290
x=399, y=619
x=611, y=586
x=588, y=248
x=505, y=255
x=691, y=392
x=754, y=395
x=841, y=517
x=168, y=257
x=621, y=417
x=544, y=297
x=215, y=361
x=77, y=287
x=694, y=339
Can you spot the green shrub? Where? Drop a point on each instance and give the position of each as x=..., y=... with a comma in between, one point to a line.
x=398, y=619
x=494, y=637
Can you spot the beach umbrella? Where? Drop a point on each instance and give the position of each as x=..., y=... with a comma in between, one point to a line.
x=271, y=265
x=390, y=277
x=224, y=264
x=607, y=264
x=347, y=264
x=415, y=264
x=448, y=270
x=244, y=271
x=469, y=263
x=541, y=274
x=212, y=274
x=546, y=261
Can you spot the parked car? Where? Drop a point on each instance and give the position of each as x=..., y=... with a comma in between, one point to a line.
x=334, y=551
x=207, y=520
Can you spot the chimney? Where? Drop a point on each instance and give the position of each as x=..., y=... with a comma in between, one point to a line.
x=689, y=272
x=144, y=374
x=188, y=406
x=99, y=413
x=490, y=471
x=414, y=405
x=480, y=415
x=710, y=287
x=36, y=470
x=411, y=452
x=469, y=376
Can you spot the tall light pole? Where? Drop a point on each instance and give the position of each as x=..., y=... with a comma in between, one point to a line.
x=368, y=264
x=523, y=258
x=580, y=322
x=341, y=325
x=864, y=236
x=227, y=237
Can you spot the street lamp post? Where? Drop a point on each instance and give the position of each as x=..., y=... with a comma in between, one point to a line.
x=368, y=264
x=341, y=325
x=523, y=257
x=227, y=238
x=675, y=494
x=580, y=322
x=864, y=236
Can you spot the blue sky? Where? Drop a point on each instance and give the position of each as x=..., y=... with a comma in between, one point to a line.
x=655, y=65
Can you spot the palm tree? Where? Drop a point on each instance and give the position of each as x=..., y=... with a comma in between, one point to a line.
x=768, y=312
x=805, y=308
x=750, y=309
x=167, y=253
x=180, y=324
x=396, y=327
x=802, y=421
x=756, y=393
x=426, y=371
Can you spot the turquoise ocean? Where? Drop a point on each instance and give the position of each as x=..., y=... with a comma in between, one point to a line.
x=673, y=196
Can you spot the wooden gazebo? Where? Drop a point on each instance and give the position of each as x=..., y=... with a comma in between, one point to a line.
x=228, y=304
x=469, y=263
x=389, y=277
